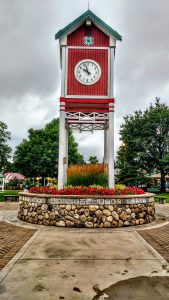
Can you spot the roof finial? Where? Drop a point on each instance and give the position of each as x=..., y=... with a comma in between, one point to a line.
x=88, y=5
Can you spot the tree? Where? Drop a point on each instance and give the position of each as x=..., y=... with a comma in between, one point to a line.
x=145, y=137
x=5, y=149
x=93, y=160
x=127, y=173
x=38, y=155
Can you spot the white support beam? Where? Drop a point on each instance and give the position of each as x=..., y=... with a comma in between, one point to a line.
x=106, y=146
x=111, y=180
x=62, y=128
x=111, y=150
x=66, y=158
x=62, y=151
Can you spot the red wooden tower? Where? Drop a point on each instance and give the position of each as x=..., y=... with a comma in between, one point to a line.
x=87, y=99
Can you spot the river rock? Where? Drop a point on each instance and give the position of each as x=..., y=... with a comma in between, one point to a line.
x=83, y=218
x=119, y=210
x=150, y=210
x=68, y=207
x=89, y=224
x=44, y=207
x=71, y=213
x=69, y=218
x=109, y=219
x=133, y=215
x=104, y=218
x=25, y=212
x=70, y=224
x=99, y=214
x=61, y=212
x=114, y=223
x=46, y=216
x=128, y=211
x=93, y=207
x=123, y=215
x=86, y=212
x=34, y=214
x=106, y=225
x=115, y=215
x=141, y=221
x=60, y=223
x=110, y=207
x=107, y=212
x=126, y=223
x=45, y=222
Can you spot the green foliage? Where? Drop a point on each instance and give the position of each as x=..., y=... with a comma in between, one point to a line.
x=13, y=183
x=38, y=155
x=93, y=160
x=120, y=186
x=10, y=167
x=88, y=179
x=145, y=148
x=5, y=150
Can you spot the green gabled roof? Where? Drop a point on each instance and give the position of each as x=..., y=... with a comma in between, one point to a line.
x=83, y=17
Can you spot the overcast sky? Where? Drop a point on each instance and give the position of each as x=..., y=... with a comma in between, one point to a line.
x=29, y=60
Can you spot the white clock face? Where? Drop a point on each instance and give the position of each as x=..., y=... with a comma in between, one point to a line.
x=87, y=71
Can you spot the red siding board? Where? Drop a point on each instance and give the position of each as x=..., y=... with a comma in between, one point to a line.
x=76, y=37
x=100, y=88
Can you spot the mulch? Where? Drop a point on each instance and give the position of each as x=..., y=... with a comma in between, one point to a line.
x=12, y=238
x=158, y=238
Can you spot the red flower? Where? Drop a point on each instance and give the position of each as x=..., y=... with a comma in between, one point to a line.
x=83, y=190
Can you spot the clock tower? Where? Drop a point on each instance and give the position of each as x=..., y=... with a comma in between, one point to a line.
x=87, y=99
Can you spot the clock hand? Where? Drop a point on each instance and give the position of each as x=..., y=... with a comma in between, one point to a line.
x=86, y=70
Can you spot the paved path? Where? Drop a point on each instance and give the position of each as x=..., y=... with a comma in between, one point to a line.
x=12, y=239
x=84, y=264
x=158, y=238
x=6, y=206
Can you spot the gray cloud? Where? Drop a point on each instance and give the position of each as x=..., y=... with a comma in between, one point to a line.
x=29, y=60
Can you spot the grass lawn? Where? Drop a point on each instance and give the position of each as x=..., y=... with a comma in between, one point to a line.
x=163, y=194
x=6, y=192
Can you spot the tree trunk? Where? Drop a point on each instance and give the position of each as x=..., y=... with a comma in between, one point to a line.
x=162, y=188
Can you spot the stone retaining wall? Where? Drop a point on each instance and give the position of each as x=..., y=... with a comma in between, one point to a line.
x=82, y=211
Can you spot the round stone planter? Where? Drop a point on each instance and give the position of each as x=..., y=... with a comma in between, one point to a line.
x=86, y=211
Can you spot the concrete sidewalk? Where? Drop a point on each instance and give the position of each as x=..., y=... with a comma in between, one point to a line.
x=85, y=264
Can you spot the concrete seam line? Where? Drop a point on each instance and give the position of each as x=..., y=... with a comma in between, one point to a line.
x=157, y=255
x=5, y=271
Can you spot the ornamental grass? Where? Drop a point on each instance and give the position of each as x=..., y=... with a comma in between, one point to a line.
x=86, y=175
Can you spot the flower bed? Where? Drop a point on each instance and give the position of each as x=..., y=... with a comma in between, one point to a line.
x=92, y=207
x=83, y=190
